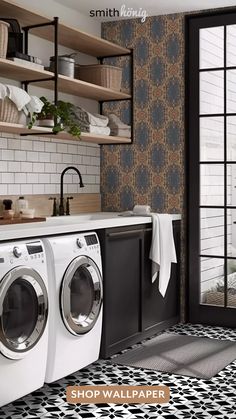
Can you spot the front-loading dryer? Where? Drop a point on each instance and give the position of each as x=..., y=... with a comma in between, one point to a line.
x=23, y=318
x=75, y=295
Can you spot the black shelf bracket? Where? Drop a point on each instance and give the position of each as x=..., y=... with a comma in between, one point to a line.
x=54, y=23
x=101, y=102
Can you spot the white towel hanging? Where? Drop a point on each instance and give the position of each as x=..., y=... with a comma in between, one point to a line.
x=162, y=252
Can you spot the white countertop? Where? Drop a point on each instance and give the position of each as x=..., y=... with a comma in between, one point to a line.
x=71, y=224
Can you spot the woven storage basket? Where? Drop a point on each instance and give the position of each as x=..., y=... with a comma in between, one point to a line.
x=3, y=38
x=103, y=75
x=9, y=112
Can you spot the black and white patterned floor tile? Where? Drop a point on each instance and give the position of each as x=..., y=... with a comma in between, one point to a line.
x=191, y=398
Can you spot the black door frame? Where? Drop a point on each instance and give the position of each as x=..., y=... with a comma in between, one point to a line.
x=196, y=312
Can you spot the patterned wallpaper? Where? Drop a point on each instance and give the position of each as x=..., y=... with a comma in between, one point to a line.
x=151, y=170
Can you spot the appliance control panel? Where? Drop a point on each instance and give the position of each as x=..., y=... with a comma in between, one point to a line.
x=13, y=253
x=88, y=241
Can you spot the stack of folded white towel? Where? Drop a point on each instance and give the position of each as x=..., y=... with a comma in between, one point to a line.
x=118, y=128
x=93, y=123
x=23, y=101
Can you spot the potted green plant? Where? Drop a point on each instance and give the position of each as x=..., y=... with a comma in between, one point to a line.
x=59, y=117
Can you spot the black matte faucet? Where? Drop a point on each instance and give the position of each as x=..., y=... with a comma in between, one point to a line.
x=61, y=205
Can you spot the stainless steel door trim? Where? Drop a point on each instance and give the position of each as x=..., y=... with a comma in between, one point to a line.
x=8, y=347
x=81, y=327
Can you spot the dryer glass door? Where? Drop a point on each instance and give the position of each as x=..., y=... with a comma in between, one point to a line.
x=23, y=311
x=81, y=295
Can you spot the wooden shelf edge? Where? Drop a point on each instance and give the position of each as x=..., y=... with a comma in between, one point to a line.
x=68, y=36
x=18, y=129
x=68, y=85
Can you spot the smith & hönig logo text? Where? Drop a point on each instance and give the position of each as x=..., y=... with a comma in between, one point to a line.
x=128, y=12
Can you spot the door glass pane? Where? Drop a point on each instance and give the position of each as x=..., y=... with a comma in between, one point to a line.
x=231, y=138
x=20, y=311
x=82, y=294
x=212, y=139
x=231, y=263
x=231, y=183
x=212, y=47
x=212, y=231
x=231, y=45
x=211, y=92
x=212, y=184
x=212, y=281
x=231, y=91
x=231, y=230
x=231, y=283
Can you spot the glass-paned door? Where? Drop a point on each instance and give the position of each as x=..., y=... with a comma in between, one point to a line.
x=212, y=168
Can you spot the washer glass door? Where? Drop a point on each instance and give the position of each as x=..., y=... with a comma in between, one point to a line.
x=81, y=295
x=23, y=311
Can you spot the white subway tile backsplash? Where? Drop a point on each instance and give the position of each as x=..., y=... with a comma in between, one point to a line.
x=72, y=188
x=55, y=178
x=44, y=157
x=34, y=165
x=82, y=150
x=13, y=189
x=62, y=148
x=86, y=160
x=44, y=178
x=8, y=178
x=14, y=166
x=3, y=142
x=3, y=189
x=7, y=155
x=38, y=167
x=38, y=146
x=3, y=166
x=93, y=170
x=56, y=157
x=77, y=159
x=67, y=158
x=72, y=149
x=50, y=147
x=69, y=179
x=32, y=156
x=92, y=151
x=13, y=144
x=26, y=167
x=26, y=189
x=38, y=189
x=32, y=178
x=26, y=145
x=50, y=168
x=50, y=188
x=20, y=155
x=20, y=178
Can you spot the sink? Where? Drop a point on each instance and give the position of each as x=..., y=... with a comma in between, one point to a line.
x=82, y=217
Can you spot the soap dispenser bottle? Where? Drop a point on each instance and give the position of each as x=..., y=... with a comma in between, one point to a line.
x=21, y=205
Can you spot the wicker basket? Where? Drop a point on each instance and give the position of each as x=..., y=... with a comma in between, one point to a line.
x=103, y=75
x=3, y=38
x=9, y=112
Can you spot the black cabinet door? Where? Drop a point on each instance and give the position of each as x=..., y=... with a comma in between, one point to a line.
x=122, y=269
x=155, y=308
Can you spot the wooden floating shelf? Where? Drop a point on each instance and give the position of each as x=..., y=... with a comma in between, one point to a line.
x=68, y=37
x=15, y=71
x=85, y=136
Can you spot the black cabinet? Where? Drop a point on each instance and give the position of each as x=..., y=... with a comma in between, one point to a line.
x=133, y=307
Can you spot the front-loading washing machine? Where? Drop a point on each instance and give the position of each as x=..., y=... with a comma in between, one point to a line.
x=75, y=296
x=23, y=318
